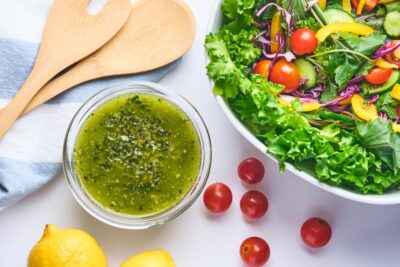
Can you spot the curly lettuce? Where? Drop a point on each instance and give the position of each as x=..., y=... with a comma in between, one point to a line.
x=348, y=157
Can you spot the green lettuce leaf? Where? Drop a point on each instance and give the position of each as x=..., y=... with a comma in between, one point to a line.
x=379, y=138
x=329, y=93
x=239, y=14
x=297, y=7
x=365, y=45
x=388, y=104
x=230, y=75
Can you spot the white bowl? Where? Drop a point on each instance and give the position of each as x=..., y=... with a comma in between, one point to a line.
x=385, y=199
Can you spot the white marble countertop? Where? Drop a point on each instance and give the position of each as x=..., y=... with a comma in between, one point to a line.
x=363, y=235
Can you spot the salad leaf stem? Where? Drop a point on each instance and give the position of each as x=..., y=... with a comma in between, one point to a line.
x=315, y=9
x=342, y=51
x=316, y=17
x=316, y=63
x=318, y=14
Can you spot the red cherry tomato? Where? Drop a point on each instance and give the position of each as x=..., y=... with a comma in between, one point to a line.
x=262, y=68
x=254, y=204
x=378, y=75
x=316, y=232
x=251, y=170
x=303, y=41
x=287, y=74
x=217, y=197
x=254, y=251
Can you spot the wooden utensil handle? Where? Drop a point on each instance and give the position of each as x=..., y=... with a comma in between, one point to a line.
x=32, y=85
x=80, y=73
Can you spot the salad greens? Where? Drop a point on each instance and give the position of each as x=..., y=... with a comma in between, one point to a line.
x=333, y=140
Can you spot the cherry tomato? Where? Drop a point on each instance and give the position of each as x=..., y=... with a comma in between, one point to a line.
x=262, y=68
x=254, y=204
x=394, y=57
x=316, y=232
x=369, y=4
x=287, y=74
x=378, y=75
x=254, y=251
x=251, y=170
x=303, y=41
x=217, y=197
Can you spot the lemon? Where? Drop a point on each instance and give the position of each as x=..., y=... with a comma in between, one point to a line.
x=151, y=258
x=66, y=248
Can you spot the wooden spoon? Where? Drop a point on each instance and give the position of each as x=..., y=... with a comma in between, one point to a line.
x=156, y=33
x=70, y=35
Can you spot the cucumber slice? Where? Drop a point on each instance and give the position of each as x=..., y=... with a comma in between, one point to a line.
x=307, y=71
x=333, y=15
x=393, y=6
x=394, y=77
x=391, y=24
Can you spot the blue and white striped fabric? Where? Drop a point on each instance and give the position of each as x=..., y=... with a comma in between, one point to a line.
x=30, y=154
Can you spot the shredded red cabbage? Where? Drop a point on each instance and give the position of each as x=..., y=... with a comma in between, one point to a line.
x=288, y=16
x=313, y=93
x=345, y=94
x=306, y=100
x=311, y=4
x=338, y=108
x=385, y=49
x=303, y=81
x=289, y=56
x=383, y=115
x=373, y=99
x=355, y=80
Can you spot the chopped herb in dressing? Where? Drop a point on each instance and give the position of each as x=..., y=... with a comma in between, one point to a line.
x=137, y=154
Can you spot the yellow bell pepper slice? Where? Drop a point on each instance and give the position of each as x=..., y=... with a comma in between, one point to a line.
x=396, y=92
x=310, y=106
x=385, y=1
x=396, y=128
x=352, y=27
x=381, y=63
x=360, y=6
x=276, y=27
x=322, y=4
x=363, y=110
x=346, y=6
x=305, y=106
x=345, y=102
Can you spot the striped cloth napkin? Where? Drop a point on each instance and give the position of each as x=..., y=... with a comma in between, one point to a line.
x=30, y=154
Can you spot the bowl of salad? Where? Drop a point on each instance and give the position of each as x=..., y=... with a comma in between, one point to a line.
x=315, y=84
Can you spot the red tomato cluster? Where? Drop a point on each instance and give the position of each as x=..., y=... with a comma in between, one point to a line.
x=303, y=41
x=255, y=251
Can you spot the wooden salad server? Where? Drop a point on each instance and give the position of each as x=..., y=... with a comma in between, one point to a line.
x=156, y=33
x=70, y=34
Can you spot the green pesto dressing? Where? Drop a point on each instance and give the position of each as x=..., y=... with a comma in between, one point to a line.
x=137, y=154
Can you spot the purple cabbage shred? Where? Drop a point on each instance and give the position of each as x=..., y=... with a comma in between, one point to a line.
x=373, y=99
x=385, y=49
x=345, y=94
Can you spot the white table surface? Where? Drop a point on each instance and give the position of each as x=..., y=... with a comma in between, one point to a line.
x=363, y=235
